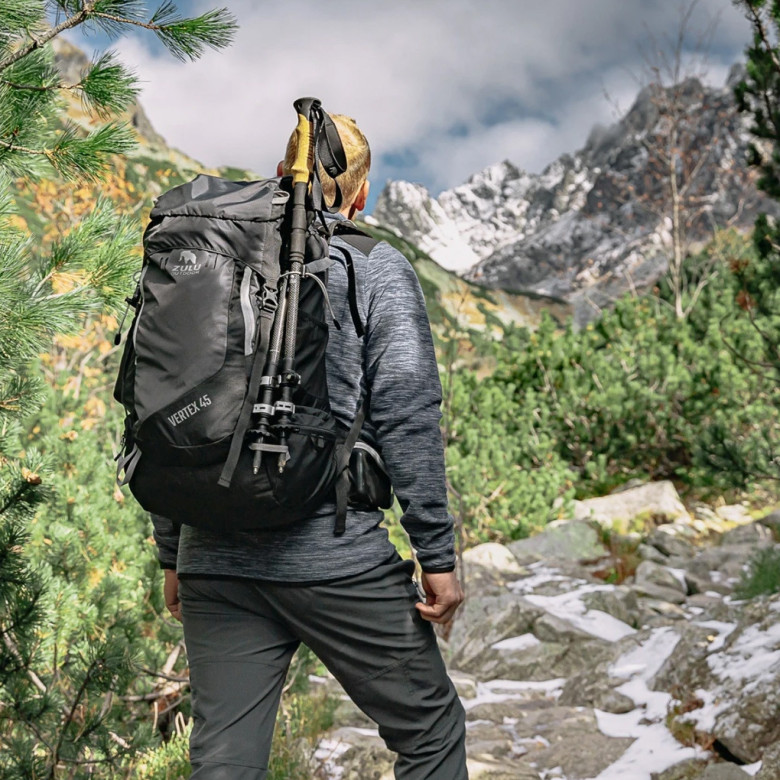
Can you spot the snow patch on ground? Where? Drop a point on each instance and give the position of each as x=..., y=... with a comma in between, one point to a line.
x=509, y=690
x=753, y=659
x=724, y=631
x=522, y=642
x=542, y=575
x=654, y=748
x=571, y=608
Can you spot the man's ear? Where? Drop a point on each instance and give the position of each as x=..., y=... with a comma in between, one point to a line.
x=280, y=168
x=362, y=196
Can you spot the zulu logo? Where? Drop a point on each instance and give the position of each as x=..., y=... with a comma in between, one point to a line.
x=189, y=264
x=190, y=410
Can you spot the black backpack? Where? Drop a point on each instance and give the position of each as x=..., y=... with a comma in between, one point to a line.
x=228, y=422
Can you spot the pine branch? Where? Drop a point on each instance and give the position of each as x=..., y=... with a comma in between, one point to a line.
x=37, y=43
x=184, y=38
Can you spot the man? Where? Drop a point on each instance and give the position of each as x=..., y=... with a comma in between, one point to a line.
x=247, y=600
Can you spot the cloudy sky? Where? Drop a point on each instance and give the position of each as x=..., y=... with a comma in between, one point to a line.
x=442, y=88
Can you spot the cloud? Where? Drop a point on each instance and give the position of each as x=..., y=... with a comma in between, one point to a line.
x=454, y=85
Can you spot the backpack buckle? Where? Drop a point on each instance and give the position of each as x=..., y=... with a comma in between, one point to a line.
x=270, y=298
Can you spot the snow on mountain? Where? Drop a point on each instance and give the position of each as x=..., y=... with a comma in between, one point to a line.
x=594, y=224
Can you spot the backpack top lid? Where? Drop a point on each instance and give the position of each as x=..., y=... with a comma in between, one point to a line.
x=213, y=196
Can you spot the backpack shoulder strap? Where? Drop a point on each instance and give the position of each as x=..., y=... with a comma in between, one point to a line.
x=354, y=236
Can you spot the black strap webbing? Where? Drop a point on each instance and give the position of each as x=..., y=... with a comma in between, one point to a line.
x=342, y=465
x=245, y=415
x=360, y=241
x=349, y=265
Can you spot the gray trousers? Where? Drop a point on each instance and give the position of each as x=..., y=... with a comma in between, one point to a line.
x=241, y=636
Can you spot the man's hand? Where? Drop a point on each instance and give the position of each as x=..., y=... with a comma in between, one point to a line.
x=171, y=593
x=444, y=596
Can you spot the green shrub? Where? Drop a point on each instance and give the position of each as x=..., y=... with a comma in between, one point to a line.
x=762, y=576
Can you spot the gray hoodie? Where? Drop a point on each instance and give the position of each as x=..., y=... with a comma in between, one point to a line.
x=397, y=360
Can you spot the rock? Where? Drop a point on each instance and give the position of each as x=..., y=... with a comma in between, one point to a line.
x=483, y=621
x=487, y=740
x=723, y=772
x=772, y=521
x=367, y=758
x=708, y=601
x=670, y=540
x=649, y=553
x=750, y=534
x=657, y=593
x=735, y=513
x=545, y=661
x=649, y=573
x=658, y=501
x=488, y=567
x=500, y=770
x=685, y=770
x=549, y=628
x=621, y=603
x=569, y=738
x=723, y=565
x=770, y=763
x=565, y=540
x=658, y=582
x=656, y=612
x=465, y=684
x=731, y=669
x=703, y=584
x=595, y=689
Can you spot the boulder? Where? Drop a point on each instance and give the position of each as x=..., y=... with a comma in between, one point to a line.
x=727, y=674
x=671, y=540
x=658, y=582
x=737, y=514
x=620, y=602
x=772, y=522
x=690, y=769
x=465, y=684
x=569, y=738
x=561, y=540
x=724, y=772
x=484, y=621
x=550, y=628
x=486, y=740
x=770, y=763
x=366, y=757
x=649, y=553
x=488, y=567
x=544, y=661
x=756, y=534
x=658, y=501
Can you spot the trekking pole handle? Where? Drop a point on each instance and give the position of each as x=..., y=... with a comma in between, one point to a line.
x=302, y=166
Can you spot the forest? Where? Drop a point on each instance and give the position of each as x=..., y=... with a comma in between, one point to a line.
x=680, y=383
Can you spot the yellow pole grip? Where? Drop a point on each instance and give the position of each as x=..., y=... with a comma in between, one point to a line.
x=301, y=167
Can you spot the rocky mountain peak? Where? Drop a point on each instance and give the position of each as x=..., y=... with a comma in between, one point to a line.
x=72, y=63
x=593, y=224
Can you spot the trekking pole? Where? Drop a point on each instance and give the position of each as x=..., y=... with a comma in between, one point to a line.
x=265, y=409
x=301, y=172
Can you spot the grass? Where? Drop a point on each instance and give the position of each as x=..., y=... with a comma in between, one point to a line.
x=762, y=576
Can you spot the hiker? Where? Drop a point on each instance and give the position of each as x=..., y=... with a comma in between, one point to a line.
x=248, y=599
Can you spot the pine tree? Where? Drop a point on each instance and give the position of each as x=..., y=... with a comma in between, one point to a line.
x=55, y=718
x=759, y=95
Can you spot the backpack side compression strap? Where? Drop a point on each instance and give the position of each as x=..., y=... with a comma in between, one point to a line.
x=342, y=466
x=245, y=416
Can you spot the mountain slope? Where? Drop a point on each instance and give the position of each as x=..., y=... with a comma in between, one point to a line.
x=596, y=223
x=51, y=206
